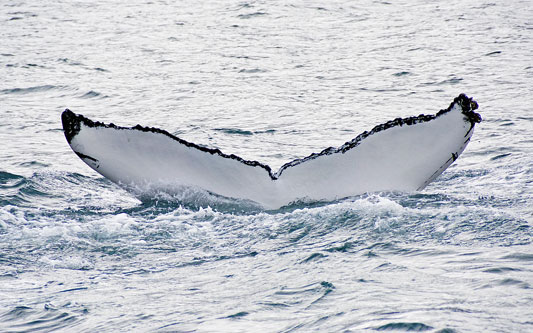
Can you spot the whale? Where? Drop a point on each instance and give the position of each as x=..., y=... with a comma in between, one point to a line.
x=404, y=154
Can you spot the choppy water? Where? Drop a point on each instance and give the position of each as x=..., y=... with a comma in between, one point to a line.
x=269, y=81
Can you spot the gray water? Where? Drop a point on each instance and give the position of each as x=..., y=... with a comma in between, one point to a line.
x=268, y=81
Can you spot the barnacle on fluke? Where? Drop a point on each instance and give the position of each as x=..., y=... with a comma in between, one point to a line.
x=401, y=154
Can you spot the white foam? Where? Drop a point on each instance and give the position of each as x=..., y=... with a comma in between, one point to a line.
x=115, y=225
x=67, y=262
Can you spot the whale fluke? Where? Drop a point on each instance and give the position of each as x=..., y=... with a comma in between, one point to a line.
x=403, y=154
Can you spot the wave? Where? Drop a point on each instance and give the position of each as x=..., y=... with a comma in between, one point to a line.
x=48, y=318
x=30, y=90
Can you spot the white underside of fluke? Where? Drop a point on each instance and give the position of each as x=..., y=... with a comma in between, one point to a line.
x=403, y=157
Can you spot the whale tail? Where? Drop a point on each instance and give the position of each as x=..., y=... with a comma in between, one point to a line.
x=403, y=154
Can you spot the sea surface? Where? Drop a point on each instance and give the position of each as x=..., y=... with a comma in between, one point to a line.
x=269, y=81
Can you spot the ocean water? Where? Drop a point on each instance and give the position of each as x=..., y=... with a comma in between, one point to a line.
x=269, y=81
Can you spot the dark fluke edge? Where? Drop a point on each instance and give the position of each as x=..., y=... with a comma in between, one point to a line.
x=468, y=106
x=404, y=154
x=71, y=126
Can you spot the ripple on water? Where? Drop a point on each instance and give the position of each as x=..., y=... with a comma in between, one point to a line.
x=10, y=185
x=405, y=327
x=251, y=15
x=30, y=90
x=93, y=94
x=402, y=73
x=47, y=318
x=236, y=131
